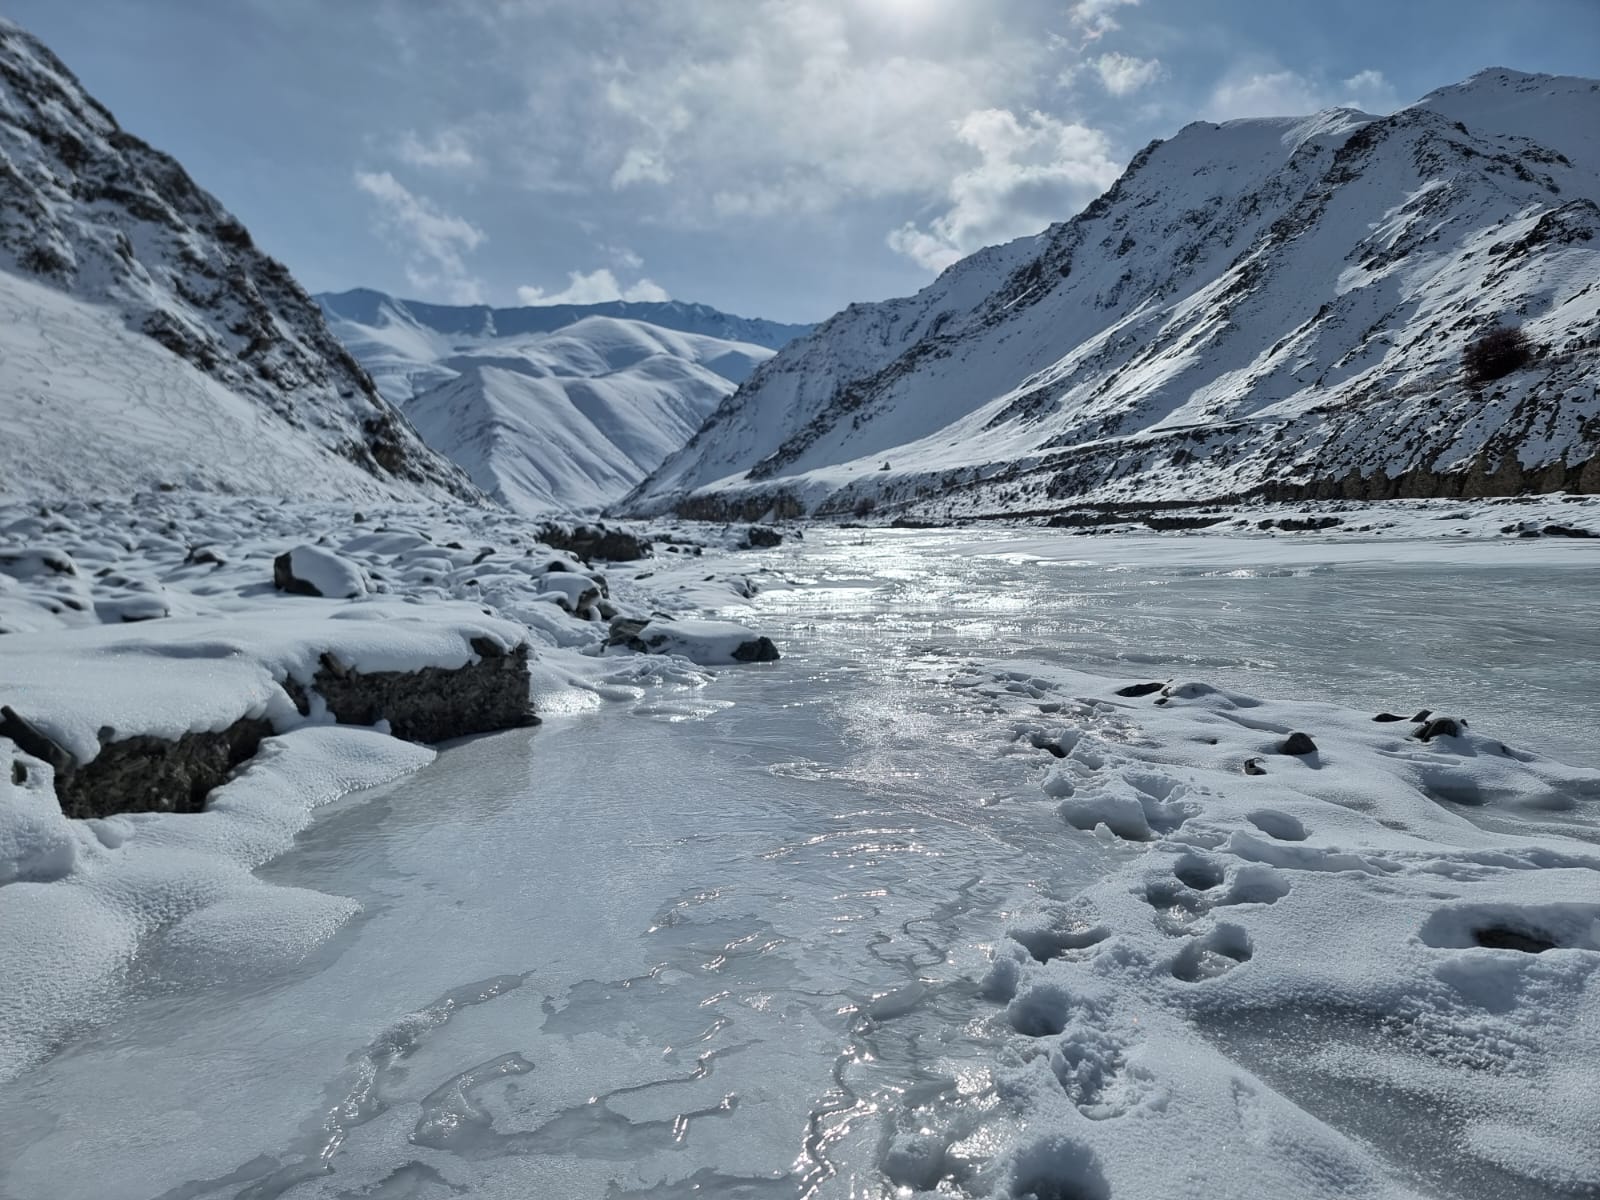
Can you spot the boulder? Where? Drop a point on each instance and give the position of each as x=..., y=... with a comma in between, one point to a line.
x=1297, y=744
x=1440, y=727
x=709, y=643
x=596, y=541
x=761, y=537
x=315, y=571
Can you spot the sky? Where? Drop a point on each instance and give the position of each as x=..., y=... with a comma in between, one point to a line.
x=773, y=158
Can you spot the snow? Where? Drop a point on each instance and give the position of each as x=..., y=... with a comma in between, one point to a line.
x=90, y=409
x=331, y=575
x=926, y=886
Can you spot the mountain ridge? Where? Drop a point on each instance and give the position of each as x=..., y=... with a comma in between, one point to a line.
x=551, y=407
x=94, y=213
x=1249, y=304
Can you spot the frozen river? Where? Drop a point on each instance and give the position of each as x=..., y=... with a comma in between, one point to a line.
x=719, y=942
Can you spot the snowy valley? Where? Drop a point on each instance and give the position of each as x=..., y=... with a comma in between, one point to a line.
x=563, y=408
x=1206, y=805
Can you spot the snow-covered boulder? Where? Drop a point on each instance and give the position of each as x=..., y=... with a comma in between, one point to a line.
x=709, y=643
x=577, y=594
x=313, y=571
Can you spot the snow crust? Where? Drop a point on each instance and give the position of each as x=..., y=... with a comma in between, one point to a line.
x=1345, y=886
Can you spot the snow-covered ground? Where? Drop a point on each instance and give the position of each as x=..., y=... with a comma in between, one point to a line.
x=925, y=906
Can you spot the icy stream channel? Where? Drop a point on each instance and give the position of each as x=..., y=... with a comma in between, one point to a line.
x=708, y=944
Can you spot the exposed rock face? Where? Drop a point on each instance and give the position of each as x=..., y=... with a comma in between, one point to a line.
x=761, y=537
x=152, y=774
x=434, y=704
x=149, y=774
x=590, y=542
x=88, y=208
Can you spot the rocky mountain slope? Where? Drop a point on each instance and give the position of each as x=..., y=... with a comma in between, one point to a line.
x=558, y=407
x=1266, y=307
x=148, y=341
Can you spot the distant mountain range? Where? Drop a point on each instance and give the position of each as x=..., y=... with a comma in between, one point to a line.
x=145, y=340
x=561, y=407
x=1267, y=308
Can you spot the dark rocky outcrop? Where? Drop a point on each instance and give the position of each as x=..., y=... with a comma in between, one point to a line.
x=761, y=537
x=433, y=704
x=590, y=542
x=155, y=774
x=1498, y=937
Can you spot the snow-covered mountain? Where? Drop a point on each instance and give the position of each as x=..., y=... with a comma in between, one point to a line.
x=553, y=407
x=144, y=340
x=404, y=343
x=1273, y=307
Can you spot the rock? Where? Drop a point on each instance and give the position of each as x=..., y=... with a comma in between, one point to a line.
x=760, y=650
x=153, y=774
x=761, y=537
x=1298, y=744
x=434, y=704
x=595, y=541
x=314, y=571
x=1440, y=727
x=1140, y=689
x=30, y=739
x=1387, y=716
x=577, y=594
x=34, y=562
x=1252, y=766
x=626, y=630
x=709, y=643
x=1422, y=715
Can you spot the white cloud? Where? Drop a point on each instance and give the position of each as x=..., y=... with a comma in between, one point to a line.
x=597, y=287
x=1123, y=74
x=1285, y=93
x=434, y=242
x=1094, y=18
x=446, y=150
x=753, y=108
x=1030, y=173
